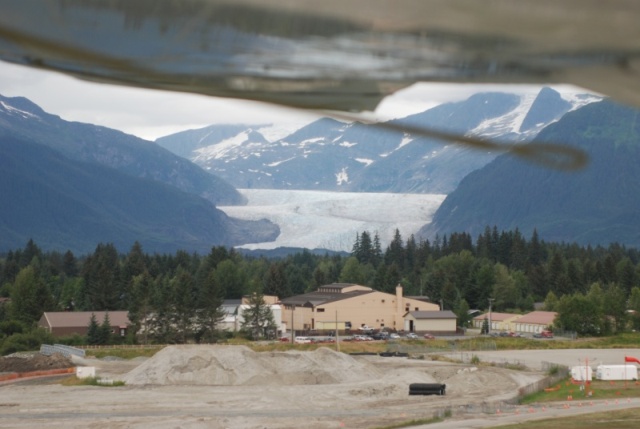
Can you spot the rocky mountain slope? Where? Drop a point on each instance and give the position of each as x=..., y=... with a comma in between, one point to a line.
x=22, y=119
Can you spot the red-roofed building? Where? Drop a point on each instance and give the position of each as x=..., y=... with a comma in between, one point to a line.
x=499, y=321
x=534, y=322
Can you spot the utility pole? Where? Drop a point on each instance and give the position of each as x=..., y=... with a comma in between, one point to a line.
x=292, y=331
x=337, y=334
x=490, y=304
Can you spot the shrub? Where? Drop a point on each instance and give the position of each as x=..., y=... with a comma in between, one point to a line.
x=25, y=342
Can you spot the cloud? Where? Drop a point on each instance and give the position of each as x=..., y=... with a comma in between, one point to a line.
x=142, y=112
x=152, y=113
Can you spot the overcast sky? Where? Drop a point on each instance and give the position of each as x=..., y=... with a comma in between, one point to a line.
x=151, y=114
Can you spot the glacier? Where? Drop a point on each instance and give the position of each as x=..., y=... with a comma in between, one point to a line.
x=330, y=220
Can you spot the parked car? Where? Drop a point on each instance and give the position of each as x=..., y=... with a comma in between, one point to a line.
x=362, y=338
x=380, y=336
x=544, y=334
x=412, y=336
x=428, y=336
x=302, y=340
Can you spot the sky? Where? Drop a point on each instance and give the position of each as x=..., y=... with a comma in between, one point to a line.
x=150, y=114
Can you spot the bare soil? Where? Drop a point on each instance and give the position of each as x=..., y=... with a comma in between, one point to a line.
x=34, y=362
x=233, y=387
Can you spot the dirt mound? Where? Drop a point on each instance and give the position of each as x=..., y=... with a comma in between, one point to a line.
x=239, y=365
x=35, y=362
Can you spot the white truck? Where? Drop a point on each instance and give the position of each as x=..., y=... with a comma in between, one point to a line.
x=616, y=372
x=581, y=373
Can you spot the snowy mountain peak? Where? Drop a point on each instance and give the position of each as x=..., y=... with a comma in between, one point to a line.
x=331, y=155
x=21, y=107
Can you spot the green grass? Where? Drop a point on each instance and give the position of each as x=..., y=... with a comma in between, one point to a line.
x=599, y=390
x=124, y=353
x=619, y=419
x=91, y=381
x=411, y=423
x=628, y=340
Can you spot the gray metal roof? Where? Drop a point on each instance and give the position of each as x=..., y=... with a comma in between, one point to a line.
x=314, y=299
x=446, y=314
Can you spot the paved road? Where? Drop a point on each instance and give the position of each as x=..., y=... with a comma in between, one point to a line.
x=524, y=413
x=569, y=357
x=534, y=359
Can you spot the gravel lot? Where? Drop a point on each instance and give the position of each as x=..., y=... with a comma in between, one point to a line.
x=229, y=387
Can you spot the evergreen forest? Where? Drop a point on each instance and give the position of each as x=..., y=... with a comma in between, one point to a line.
x=595, y=290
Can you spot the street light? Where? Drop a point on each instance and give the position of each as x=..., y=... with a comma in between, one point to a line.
x=293, y=307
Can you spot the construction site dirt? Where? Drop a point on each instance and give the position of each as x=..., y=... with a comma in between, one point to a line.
x=233, y=387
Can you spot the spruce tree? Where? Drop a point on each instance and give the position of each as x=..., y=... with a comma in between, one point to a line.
x=93, y=331
x=210, y=312
x=257, y=319
x=140, y=304
x=485, y=326
x=104, y=332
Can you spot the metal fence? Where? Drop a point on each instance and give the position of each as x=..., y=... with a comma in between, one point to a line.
x=510, y=405
x=48, y=350
x=450, y=348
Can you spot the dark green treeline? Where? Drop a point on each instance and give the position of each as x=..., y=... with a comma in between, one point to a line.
x=455, y=271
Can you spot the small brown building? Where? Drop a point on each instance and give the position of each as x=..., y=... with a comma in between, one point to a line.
x=433, y=322
x=64, y=323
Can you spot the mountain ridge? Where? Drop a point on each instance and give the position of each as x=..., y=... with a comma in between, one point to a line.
x=21, y=118
x=332, y=155
x=74, y=203
x=596, y=205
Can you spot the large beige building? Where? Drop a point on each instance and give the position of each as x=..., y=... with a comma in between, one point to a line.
x=350, y=306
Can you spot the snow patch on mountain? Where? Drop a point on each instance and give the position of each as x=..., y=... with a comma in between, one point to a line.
x=365, y=161
x=579, y=100
x=311, y=141
x=13, y=110
x=275, y=164
x=405, y=140
x=347, y=144
x=506, y=124
x=275, y=132
x=342, y=177
x=222, y=149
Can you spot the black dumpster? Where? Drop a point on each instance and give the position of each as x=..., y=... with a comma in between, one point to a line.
x=427, y=389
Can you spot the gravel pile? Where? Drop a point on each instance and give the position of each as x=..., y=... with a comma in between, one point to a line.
x=34, y=362
x=239, y=365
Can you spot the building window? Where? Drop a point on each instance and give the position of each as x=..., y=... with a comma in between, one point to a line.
x=320, y=310
x=383, y=301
